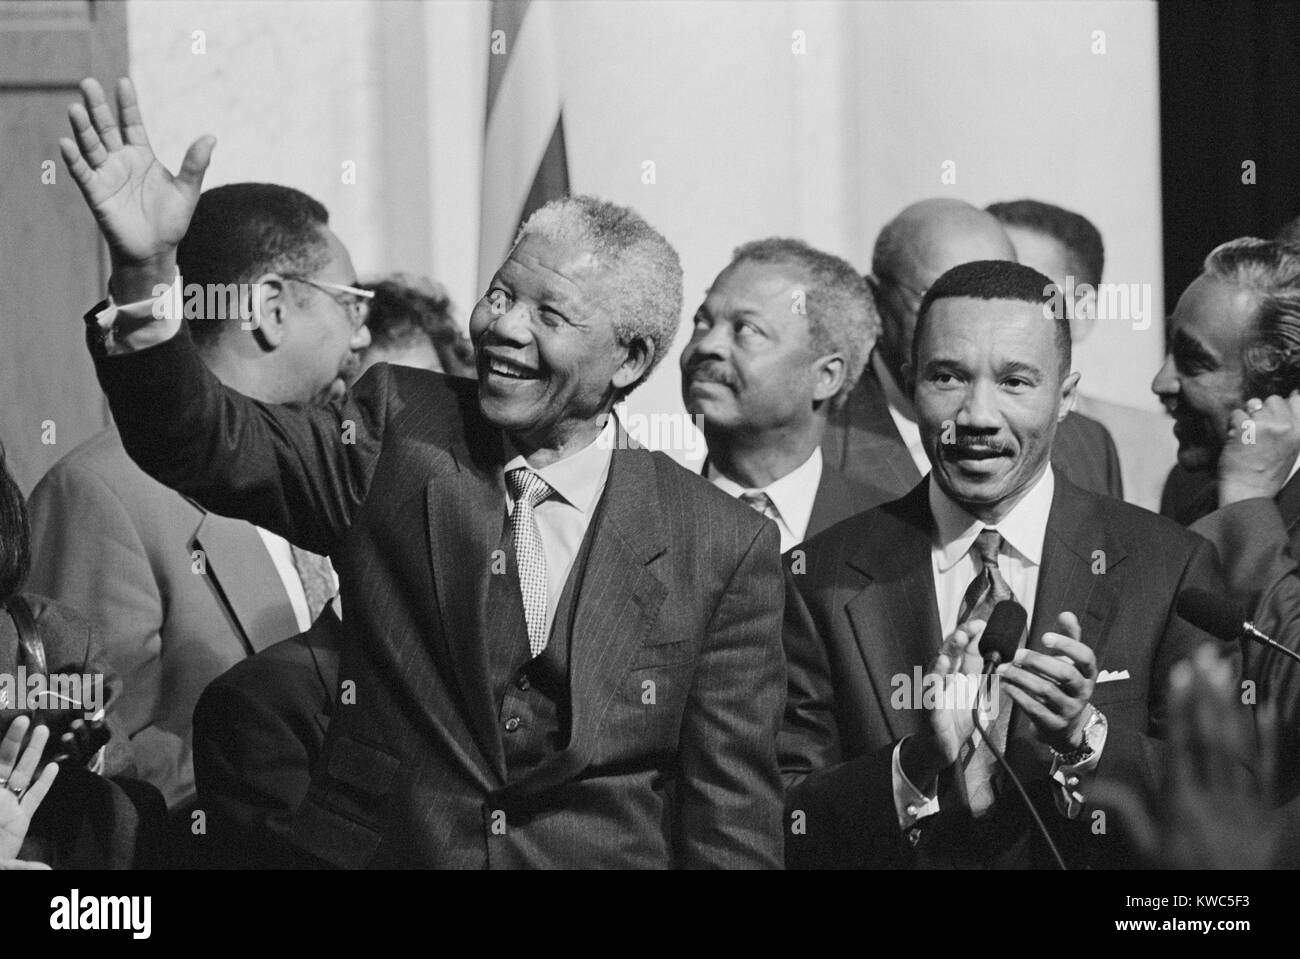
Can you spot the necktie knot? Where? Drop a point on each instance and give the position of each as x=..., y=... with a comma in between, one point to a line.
x=526, y=487
x=988, y=544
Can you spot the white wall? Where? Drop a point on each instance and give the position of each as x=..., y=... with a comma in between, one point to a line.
x=748, y=138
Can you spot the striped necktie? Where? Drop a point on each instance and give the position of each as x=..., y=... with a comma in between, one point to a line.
x=528, y=489
x=978, y=764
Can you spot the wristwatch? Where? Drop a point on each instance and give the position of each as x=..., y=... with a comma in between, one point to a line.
x=1096, y=722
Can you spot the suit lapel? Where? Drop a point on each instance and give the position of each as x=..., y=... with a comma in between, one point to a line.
x=466, y=510
x=244, y=574
x=1080, y=554
x=894, y=616
x=620, y=596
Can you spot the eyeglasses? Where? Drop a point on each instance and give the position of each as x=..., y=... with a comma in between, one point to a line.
x=354, y=299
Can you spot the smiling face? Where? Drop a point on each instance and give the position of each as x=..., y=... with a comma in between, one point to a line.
x=1200, y=381
x=989, y=395
x=549, y=363
x=750, y=365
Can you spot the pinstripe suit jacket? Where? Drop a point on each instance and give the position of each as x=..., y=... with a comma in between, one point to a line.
x=862, y=442
x=864, y=613
x=676, y=671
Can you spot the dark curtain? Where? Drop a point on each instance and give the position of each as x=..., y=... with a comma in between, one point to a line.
x=1229, y=92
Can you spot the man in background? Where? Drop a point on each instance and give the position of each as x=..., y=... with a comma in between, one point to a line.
x=1063, y=244
x=780, y=340
x=180, y=594
x=1233, y=358
x=411, y=324
x=874, y=438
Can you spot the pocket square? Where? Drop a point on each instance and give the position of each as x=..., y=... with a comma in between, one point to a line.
x=1110, y=676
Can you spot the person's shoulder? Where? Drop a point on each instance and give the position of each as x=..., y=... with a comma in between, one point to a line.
x=677, y=484
x=1135, y=525
x=102, y=455
x=1078, y=428
x=65, y=632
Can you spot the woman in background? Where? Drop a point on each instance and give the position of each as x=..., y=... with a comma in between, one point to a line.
x=61, y=813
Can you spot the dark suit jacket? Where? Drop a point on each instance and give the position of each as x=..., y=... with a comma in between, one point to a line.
x=118, y=546
x=864, y=613
x=1258, y=541
x=862, y=442
x=258, y=730
x=838, y=498
x=676, y=671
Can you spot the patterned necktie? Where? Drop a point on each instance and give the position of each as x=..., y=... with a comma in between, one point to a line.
x=761, y=503
x=988, y=588
x=314, y=573
x=528, y=489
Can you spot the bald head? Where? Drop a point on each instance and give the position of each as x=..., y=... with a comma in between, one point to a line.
x=926, y=240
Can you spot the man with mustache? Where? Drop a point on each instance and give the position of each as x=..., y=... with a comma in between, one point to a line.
x=558, y=649
x=879, y=774
x=179, y=593
x=874, y=437
x=1233, y=353
x=779, y=341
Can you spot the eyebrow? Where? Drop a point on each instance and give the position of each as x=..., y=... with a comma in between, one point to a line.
x=1189, y=347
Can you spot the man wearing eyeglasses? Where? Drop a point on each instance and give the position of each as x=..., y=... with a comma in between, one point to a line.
x=559, y=649
x=180, y=594
x=874, y=437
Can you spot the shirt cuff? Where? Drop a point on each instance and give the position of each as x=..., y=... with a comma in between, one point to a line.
x=911, y=804
x=1070, y=799
x=131, y=327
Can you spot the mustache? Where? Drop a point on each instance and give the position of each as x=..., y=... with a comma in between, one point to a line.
x=963, y=442
x=710, y=372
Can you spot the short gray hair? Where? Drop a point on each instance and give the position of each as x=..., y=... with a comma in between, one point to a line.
x=1271, y=271
x=646, y=270
x=841, y=310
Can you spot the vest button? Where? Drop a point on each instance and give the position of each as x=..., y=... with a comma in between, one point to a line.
x=522, y=682
x=512, y=724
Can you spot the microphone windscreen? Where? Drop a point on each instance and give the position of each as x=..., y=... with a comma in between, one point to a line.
x=1002, y=634
x=1219, y=617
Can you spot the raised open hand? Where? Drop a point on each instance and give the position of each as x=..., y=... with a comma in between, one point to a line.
x=142, y=210
x=20, y=797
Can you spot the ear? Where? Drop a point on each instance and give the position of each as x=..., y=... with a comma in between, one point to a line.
x=1083, y=315
x=270, y=302
x=640, y=354
x=1068, y=387
x=830, y=370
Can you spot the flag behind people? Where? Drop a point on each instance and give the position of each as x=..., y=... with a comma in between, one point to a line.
x=524, y=161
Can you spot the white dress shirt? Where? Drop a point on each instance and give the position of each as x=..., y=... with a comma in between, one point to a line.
x=792, y=496
x=955, y=565
x=564, y=516
x=903, y=413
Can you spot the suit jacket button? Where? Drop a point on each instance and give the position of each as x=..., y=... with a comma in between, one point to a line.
x=512, y=724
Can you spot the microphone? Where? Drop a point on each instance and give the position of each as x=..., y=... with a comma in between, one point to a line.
x=1001, y=637
x=998, y=644
x=1223, y=619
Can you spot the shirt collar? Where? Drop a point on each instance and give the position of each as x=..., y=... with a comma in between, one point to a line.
x=1023, y=529
x=579, y=477
x=792, y=494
